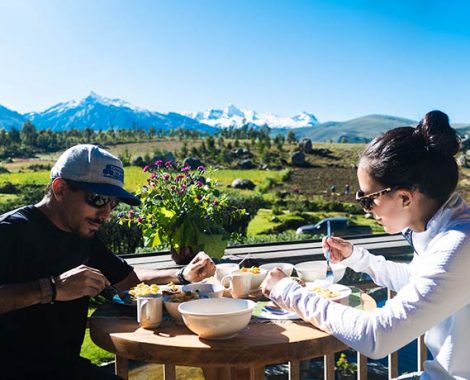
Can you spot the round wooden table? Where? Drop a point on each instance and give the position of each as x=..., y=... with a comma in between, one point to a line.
x=259, y=344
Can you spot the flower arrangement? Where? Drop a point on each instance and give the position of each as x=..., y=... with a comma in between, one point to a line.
x=345, y=367
x=182, y=209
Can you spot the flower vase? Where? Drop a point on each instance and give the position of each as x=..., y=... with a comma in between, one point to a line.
x=183, y=255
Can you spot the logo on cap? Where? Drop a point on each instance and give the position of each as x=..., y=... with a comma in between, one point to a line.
x=114, y=172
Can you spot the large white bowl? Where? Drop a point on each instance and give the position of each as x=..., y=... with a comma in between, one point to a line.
x=287, y=268
x=207, y=289
x=316, y=270
x=216, y=318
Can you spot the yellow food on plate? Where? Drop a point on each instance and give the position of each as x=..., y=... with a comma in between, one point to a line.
x=143, y=290
x=323, y=292
x=184, y=296
x=254, y=270
x=170, y=289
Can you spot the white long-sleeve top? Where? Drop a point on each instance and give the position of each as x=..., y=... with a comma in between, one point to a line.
x=433, y=297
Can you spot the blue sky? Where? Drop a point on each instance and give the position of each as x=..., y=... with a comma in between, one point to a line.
x=336, y=59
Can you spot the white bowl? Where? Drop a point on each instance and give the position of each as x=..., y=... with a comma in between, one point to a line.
x=258, y=278
x=224, y=269
x=217, y=318
x=209, y=290
x=287, y=268
x=316, y=270
x=172, y=308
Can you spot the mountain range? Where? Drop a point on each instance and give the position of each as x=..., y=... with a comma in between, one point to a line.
x=101, y=113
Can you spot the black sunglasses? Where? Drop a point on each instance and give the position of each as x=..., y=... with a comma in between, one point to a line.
x=367, y=200
x=92, y=199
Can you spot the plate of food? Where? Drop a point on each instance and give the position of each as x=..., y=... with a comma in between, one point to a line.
x=334, y=292
x=129, y=297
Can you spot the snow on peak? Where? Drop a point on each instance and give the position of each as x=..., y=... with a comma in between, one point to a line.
x=231, y=116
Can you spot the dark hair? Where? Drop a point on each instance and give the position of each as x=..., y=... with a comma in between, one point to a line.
x=421, y=157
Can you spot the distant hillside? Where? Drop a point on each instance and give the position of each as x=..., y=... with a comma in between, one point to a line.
x=10, y=119
x=361, y=129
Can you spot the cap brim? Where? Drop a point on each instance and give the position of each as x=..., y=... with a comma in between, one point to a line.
x=111, y=191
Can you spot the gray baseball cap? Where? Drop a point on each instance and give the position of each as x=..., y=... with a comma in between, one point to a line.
x=94, y=169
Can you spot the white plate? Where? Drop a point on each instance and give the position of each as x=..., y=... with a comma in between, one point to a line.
x=342, y=290
x=276, y=313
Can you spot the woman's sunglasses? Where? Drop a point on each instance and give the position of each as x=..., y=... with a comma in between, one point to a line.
x=92, y=199
x=367, y=200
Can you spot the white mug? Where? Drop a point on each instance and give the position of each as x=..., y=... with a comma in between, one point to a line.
x=149, y=311
x=240, y=283
x=222, y=270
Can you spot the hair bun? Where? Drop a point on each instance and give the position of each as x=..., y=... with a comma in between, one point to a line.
x=437, y=134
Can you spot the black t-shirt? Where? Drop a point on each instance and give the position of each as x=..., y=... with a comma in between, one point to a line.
x=44, y=339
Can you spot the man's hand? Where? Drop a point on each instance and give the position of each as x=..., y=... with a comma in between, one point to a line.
x=80, y=281
x=199, y=268
x=273, y=277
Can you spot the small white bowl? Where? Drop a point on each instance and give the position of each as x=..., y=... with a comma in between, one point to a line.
x=217, y=318
x=209, y=290
x=316, y=270
x=257, y=278
x=172, y=308
x=287, y=268
x=224, y=269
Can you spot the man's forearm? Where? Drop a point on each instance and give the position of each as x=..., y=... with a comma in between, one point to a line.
x=19, y=296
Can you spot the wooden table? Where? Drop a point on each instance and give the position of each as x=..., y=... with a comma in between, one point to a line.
x=254, y=347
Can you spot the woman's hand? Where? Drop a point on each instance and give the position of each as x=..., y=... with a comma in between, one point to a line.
x=272, y=278
x=199, y=268
x=340, y=249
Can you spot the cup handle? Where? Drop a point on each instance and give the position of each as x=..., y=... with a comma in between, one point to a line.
x=144, y=309
x=222, y=282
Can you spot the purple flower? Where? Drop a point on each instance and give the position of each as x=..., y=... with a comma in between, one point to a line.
x=130, y=214
x=216, y=203
x=165, y=176
x=199, y=184
x=146, y=168
x=179, y=177
x=120, y=215
x=168, y=164
x=186, y=169
x=199, y=197
x=201, y=168
x=153, y=175
x=159, y=162
x=296, y=190
x=139, y=219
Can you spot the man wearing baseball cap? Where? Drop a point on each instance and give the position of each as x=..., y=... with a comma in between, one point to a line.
x=51, y=262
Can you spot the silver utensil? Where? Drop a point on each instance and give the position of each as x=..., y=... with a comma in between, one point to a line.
x=329, y=272
x=240, y=263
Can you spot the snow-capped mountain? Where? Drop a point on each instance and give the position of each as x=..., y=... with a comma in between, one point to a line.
x=232, y=116
x=100, y=113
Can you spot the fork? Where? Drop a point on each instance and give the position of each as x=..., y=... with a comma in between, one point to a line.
x=329, y=271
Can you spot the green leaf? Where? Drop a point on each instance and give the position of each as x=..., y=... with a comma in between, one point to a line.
x=213, y=245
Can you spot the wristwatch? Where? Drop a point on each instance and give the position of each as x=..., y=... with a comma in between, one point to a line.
x=181, y=278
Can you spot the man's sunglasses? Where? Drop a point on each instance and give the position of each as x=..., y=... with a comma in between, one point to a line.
x=92, y=199
x=367, y=200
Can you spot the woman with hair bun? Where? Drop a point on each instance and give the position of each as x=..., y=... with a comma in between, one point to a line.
x=407, y=180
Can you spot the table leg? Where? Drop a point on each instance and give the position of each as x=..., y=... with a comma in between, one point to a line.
x=257, y=372
x=169, y=372
x=121, y=367
x=294, y=370
x=217, y=373
x=329, y=363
